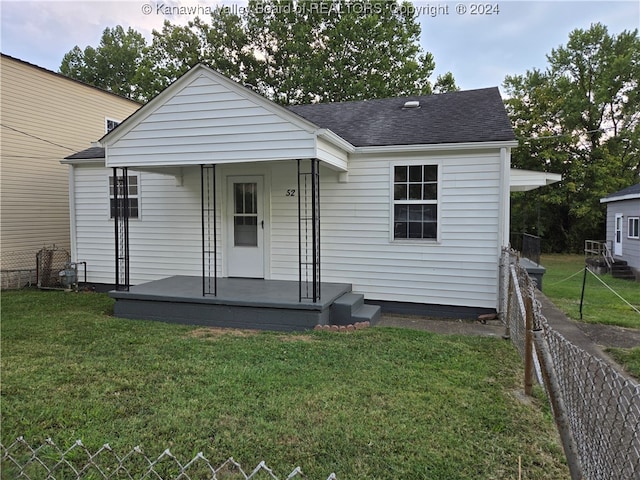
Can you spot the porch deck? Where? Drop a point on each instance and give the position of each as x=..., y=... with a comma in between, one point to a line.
x=240, y=303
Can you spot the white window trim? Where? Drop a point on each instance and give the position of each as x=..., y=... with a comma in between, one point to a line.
x=629, y=220
x=414, y=241
x=106, y=123
x=139, y=197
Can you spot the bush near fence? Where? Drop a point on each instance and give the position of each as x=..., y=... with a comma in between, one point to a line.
x=597, y=410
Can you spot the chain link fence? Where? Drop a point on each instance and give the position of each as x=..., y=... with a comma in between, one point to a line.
x=48, y=461
x=21, y=269
x=18, y=269
x=597, y=410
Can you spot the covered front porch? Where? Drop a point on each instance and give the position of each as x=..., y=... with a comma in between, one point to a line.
x=242, y=303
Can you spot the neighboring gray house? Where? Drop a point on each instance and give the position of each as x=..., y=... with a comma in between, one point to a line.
x=404, y=201
x=623, y=226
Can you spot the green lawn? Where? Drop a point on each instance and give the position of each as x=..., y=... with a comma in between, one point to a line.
x=375, y=404
x=562, y=283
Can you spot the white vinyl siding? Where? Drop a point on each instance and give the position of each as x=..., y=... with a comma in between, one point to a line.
x=460, y=269
x=206, y=122
x=165, y=241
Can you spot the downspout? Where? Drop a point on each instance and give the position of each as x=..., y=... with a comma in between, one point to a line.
x=503, y=233
x=72, y=214
x=505, y=189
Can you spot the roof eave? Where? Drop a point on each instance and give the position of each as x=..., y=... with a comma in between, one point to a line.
x=82, y=161
x=436, y=147
x=335, y=139
x=631, y=196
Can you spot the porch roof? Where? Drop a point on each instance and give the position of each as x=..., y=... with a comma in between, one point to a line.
x=525, y=180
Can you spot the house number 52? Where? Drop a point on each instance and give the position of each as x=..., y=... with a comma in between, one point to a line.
x=291, y=192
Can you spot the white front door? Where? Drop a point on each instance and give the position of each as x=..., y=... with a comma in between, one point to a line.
x=617, y=238
x=245, y=226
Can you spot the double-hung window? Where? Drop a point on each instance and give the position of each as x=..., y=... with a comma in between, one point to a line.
x=634, y=227
x=133, y=195
x=415, y=202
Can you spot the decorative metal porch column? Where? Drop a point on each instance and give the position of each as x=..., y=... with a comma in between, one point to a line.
x=209, y=235
x=309, y=230
x=120, y=213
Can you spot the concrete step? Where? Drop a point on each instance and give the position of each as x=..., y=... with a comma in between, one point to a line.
x=343, y=308
x=623, y=274
x=350, y=309
x=367, y=313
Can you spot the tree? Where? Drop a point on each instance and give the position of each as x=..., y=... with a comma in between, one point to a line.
x=337, y=50
x=113, y=65
x=289, y=51
x=580, y=117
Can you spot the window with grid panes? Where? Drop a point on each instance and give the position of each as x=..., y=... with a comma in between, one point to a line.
x=415, y=202
x=132, y=194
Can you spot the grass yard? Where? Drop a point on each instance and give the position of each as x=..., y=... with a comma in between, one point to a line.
x=375, y=403
x=562, y=283
x=563, y=287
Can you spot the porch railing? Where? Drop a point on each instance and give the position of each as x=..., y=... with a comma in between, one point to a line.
x=528, y=245
x=599, y=250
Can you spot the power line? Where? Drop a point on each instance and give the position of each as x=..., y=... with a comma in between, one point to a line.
x=37, y=138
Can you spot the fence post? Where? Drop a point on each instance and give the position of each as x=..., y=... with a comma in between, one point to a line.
x=557, y=406
x=507, y=332
x=528, y=346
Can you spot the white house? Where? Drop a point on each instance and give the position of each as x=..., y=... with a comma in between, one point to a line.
x=404, y=200
x=623, y=228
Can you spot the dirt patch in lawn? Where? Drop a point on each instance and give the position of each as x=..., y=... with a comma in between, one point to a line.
x=215, y=332
x=212, y=333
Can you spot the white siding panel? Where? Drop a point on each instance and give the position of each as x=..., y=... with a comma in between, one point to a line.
x=331, y=154
x=206, y=122
x=165, y=241
x=459, y=269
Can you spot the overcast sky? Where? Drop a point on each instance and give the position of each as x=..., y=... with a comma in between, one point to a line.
x=479, y=45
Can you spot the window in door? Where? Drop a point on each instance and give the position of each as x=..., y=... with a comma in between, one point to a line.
x=245, y=217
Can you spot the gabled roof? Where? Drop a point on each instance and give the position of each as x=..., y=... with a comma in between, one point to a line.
x=456, y=117
x=628, y=193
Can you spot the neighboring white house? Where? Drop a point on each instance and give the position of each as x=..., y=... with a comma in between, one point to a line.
x=623, y=226
x=414, y=192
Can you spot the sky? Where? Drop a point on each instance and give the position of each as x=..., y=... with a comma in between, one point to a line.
x=480, y=43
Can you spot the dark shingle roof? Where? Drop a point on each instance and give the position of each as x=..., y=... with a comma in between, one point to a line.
x=93, y=152
x=633, y=189
x=456, y=117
